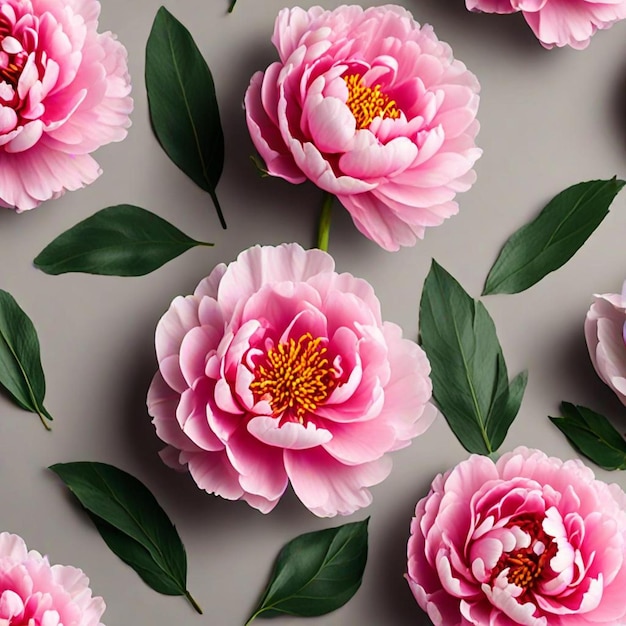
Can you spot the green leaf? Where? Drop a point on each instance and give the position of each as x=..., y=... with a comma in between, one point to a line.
x=316, y=573
x=592, y=435
x=182, y=103
x=21, y=373
x=469, y=374
x=122, y=240
x=232, y=6
x=131, y=522
x=505, y=406
x=553, y=237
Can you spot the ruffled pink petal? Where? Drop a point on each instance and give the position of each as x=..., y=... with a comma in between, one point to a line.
x=260, y=467
x=491, y=6
x=214, y=473
x=377, y=222
x=258, y=266
x=327, y=487
x=290, y=435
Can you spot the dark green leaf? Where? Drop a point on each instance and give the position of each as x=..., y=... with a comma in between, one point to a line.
x=122, y=240
x=135, y=555
x=469, y=374
x=21, y=373
x=131, y=522
x=316, y=573
x=592, y=435
x=232, y=6
x=505, y=406
x=553, y=237
x=183, y=107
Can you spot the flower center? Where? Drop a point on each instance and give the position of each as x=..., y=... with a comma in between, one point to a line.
x=366, y=103
x=526, y=565
x=296, y=375
x=11, y=71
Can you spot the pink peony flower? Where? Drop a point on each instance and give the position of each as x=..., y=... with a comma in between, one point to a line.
x=529, y=540
x=64, y=91
x=35, y=593
x=606, y=339
x=559, y=22
x=277, y=369
x=371, y=108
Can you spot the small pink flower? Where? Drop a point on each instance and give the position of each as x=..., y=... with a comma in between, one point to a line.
x=276, y=370
x=529, y=540
x=559, y=22
x=604, y=332
x=64, y=91
x=371, y=108
x=35, y=593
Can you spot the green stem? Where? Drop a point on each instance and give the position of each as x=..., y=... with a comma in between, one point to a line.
x=323, y=231
x=253, y=617
x=216, y=202
x=42, y=417
x=193, y=603
x=494, y=456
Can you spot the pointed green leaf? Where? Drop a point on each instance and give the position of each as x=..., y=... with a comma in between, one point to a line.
x=138, y=557
x=469, y=375
x=131, y=522
x=553, y=237
x=232, y=6
x=505, y=406
x=592, y=435
x=316, y=573
x=183, y=107
x=21, y=373
x=122, y=240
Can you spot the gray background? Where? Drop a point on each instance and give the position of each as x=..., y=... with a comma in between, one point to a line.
x=549, y=119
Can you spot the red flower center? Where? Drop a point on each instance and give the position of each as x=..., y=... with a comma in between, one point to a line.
x=525, y=566
x=366, y=103
x=296, y=375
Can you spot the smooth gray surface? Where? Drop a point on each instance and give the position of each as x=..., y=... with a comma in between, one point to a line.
x=549, y=119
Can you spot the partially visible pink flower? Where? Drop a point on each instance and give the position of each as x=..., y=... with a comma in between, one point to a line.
x=64, y=91
x=278, y=370
x=35, y=593
x=559, y=22
x=371, y=108
x=529, y=540
x=604, y=332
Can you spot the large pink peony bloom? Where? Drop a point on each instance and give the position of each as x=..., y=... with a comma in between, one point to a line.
x=371, y=108
x=559, y=22
x=35, y=593
x=605, y=333
x=528, y=540
x=280, y=370
x=64, y=91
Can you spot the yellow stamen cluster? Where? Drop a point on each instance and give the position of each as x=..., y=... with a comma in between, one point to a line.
x=296, y=375
x=10, y=74
x=366, y=103
x=525, y=568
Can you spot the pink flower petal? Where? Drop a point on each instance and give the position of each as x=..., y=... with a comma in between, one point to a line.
x=293, y=436
x=328, y=487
